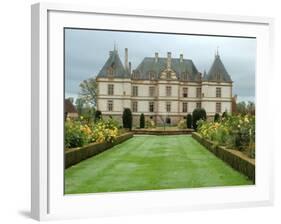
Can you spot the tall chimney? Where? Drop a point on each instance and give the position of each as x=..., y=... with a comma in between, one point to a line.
x=126, y=59
x=181, y=57
x=130, y=67
x=169, y=60
x=156, y=56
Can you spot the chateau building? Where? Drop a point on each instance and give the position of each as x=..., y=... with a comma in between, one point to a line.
x=164, y=89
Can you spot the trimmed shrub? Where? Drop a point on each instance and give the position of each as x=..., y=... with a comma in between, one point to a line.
x=224, y=114
x=98, y=115
x=217, y=117
x=198, y=114
x=189, y=121
x=142, y=121
x=127, y=118
x=74, y=156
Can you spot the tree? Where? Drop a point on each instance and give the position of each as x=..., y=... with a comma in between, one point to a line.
x=241, y=108
x=251, y=108
x=198, y=114
x=189, y=121
x=98, y=115
x=217, y=117
x=79, y=105
x=88, y=113
x=142, y=121
x=246, y=108
x=89, y=91
x=127, y=118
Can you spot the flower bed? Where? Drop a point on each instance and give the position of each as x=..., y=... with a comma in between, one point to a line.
x=75, y=155
x=235, y=132
x=236, y=159
x=79, y=133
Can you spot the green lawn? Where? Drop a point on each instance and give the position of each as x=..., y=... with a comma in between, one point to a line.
x=151, y=162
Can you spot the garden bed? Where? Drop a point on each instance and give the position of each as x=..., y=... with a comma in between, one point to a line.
x=75, y=155
x=234, y=158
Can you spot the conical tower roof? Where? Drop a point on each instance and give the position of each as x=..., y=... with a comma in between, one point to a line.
x=218, y=72
x=113, y=67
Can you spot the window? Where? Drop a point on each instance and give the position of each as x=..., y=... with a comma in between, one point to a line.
x=218, y=107
x=198, y=105
x=110, y=89
x=151, y=106
x=184, y=107
x=218, y=92
x=184, y=92
x=168, y=107
x=110, y=105
x=151, y=91
x=168, y=90
x=135, y=91
x=198, y=92
x=135, y=106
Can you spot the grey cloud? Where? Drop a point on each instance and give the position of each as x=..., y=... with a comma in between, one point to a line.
x=87, y=50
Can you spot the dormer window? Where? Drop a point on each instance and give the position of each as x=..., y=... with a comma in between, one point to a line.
x=217, y=76
x=110, y=71
x=151, y=75
x=169, y=75
x=184, y=76
x=136, y=74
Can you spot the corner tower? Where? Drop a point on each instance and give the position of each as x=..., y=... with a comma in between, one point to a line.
x=217, y=88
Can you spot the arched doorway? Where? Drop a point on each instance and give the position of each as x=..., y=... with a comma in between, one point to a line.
x=168, y=120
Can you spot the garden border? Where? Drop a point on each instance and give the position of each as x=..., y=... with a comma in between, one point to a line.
x=75, y=155
x=234, y=158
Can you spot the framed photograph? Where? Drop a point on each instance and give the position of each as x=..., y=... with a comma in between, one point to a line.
x=138, y=111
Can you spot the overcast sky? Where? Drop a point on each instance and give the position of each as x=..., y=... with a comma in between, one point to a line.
x=86, y=51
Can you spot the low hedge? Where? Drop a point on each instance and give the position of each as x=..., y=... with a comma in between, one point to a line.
x=162, y=132
x=234, y=158
x=76, y=155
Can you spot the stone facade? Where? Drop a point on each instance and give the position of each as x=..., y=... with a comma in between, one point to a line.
x=163, y=89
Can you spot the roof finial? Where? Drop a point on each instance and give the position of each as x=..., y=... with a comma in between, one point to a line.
x=217, y=54
x=115, y=46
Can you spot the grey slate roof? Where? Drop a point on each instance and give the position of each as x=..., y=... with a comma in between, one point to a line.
x=150, y=65
x=218, y=71
x=69, y=107
x=114, y=63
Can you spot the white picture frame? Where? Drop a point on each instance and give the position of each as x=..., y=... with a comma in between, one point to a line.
x=48, y=200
